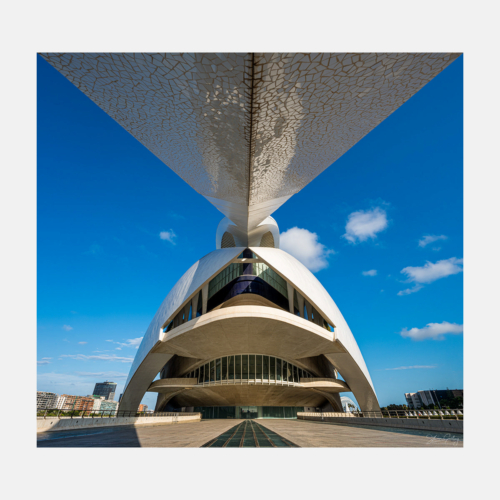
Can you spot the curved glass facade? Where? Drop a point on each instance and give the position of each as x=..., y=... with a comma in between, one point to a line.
x=247, y=277
x=248, y=367
x=250, y=277
x=248, y=411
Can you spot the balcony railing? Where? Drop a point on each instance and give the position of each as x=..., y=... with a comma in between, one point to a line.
x=456, y=414
x=60, y=413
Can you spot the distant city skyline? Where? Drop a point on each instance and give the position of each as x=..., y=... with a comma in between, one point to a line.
x=382, y=228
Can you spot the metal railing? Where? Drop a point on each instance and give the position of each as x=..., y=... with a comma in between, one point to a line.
x=61, y=413
x=456, y=414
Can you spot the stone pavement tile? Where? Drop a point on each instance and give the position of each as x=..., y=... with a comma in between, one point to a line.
x=185, y=435
x=318, y=434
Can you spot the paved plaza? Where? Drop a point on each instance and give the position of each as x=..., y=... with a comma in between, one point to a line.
x=196, y=434
x=187, y=435
x=331, y=435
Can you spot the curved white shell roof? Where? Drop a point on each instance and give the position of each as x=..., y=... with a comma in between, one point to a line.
x=309, y=286
x=287, y=266
x=249, y=130
x=191, y=281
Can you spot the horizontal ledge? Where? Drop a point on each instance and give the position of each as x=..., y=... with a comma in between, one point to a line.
x=192, y=383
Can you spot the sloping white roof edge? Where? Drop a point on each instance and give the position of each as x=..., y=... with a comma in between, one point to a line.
x=310, y=287
x=190, y=282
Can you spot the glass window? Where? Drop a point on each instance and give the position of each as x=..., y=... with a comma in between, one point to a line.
x=244, y=367
x=199, y=308
x=227, y=275
x=224, y=368
x=237, y=373
x=212, y=371
x=272, y=368
x=247, y=254
x=295, y=374
x=206, y=378
x=251, y=373
x=231, y=367
x=295, y=304
x=279, y=374
x=285, y=373
x=266, y=368
x=190, y=316
x=265, y=273
x=258, y=367
x=218, y=369
x=305, y=311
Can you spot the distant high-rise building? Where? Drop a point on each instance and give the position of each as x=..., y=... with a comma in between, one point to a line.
x=69, y=402
x=45, y=400
x=109, y=406
x=106, y=389
x=97, y=402
x=143, y=408
x=61, y=400
x=417, y=399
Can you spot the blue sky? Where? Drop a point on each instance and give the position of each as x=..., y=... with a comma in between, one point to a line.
x=103, y=269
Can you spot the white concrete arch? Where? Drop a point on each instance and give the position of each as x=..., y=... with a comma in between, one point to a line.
x=226, y=331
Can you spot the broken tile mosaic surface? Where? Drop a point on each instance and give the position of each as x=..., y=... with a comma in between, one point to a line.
x=247, y=131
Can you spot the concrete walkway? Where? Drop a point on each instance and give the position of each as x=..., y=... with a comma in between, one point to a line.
x=186, y=435
x=196, y=434
x=330, y=435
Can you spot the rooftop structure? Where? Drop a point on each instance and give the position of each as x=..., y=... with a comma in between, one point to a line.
x=106, y=389
x=45, y=400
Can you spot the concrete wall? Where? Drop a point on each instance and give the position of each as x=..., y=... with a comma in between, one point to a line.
x=54, y=424
x=421, y=424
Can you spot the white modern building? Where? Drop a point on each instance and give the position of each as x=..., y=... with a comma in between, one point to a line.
x=248, y=330
x=416, y=400
x=97, y=402
x=45, y=400
x=348, y=405
x=109, y=406
x=60, y=402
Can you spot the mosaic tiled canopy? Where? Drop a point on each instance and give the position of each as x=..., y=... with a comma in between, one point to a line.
x=247, y=131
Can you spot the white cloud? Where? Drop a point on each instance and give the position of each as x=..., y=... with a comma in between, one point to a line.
x=372, y=272
x=128, y=343
x=306, y=248
x=416, y=288
x=67, y=328
x=411, y=367
x=102, y=357
x=365, y=224
x=131, y=342
x=430, y=238
x=435, y=331
x=43, y=362
x=82, y=343
x=432, y=272
x=168, y=236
